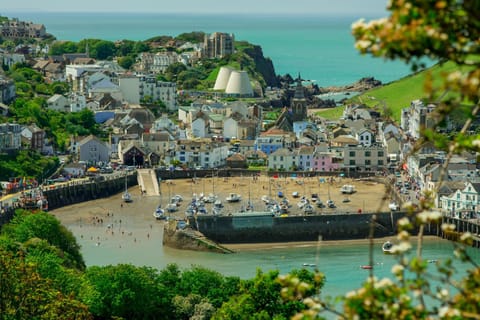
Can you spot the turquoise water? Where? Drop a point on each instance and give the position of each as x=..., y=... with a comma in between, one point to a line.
x=320, y=48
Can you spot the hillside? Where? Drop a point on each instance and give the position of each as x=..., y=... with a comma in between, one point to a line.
x=398, y=94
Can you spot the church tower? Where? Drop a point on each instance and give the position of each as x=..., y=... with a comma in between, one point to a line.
x=299, y=102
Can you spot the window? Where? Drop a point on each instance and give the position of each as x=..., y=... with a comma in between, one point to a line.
x=380, y=162
x=368, y=153
x=352, y=162
x=367, y=162
x=380, y=153
x=352, y=154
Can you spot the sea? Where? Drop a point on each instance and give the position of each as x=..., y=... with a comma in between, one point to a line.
x=320, y=48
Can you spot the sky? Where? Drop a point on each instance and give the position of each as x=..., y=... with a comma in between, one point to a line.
x=329, y=7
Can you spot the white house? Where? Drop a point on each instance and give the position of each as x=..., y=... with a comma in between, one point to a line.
x=365, y=137
x=201, y=152
x=93, y=150
x=136, y=88
x=200, y=126
x=77, y=102
x=463, y=203
x=282, y=159
x=58, y=102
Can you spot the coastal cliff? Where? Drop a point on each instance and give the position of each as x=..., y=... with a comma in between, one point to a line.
x=263, y=65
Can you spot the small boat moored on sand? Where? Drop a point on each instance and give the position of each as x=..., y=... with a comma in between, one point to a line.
x=233, y=197
x=159, y=213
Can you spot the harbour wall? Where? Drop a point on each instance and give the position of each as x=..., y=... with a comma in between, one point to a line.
x=267, y=228
x=73, y=192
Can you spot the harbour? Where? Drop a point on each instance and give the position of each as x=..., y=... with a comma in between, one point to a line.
x=141, y=244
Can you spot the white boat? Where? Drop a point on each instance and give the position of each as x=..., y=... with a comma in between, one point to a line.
x=211, y=198
x=308, y=209
x=303, y=202
x=159, y=213
x=387, y=247
x=172, y=207
x=393, y=206
x=233, y=197
x=330, y=204
x=347, y=189
x=295, y=194
x=126, y=196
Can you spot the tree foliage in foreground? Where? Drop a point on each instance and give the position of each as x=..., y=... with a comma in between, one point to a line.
x=43, y=276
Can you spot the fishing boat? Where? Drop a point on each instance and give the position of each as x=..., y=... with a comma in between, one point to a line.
x=366, y=266
x=233, y=197
x=387, y=247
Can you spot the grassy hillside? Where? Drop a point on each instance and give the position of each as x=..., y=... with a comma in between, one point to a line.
x=397, y=94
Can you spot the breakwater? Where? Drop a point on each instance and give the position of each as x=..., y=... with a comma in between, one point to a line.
x=72, y=192
x=251, y=228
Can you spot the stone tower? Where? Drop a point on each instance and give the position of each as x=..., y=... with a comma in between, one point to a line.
x=299, y=102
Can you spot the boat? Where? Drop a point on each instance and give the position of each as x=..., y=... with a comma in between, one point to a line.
x=346, y=200
x=331, y=204
x=366, y=266
x=347, y=189
x=126, y=196
x=393, y=206
x=309, y=265
x=233, y=197
x=295, y=194
x=172, y=207
x=387, y=247
x=159, y=213
x=308, y=209
x=211, y=198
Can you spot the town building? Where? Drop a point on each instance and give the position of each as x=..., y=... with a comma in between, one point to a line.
x=93, y=151
x=10, y=137
x=218, y=45
x=16, y=29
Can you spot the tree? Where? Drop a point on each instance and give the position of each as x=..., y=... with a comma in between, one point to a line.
x=103, y=50
x=126, y=62
x=26, y=226
x=25, y=294
x=129, y=292
x=60, y=47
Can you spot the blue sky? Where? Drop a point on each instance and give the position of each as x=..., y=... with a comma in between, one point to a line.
x=320, y=7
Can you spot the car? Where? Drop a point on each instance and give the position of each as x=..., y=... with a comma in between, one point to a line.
x=407, y=185
x=398, y=174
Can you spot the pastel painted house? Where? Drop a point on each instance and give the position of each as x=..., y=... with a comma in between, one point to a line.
x=325, y=161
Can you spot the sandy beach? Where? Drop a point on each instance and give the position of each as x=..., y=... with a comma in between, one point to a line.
x=109, y=220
